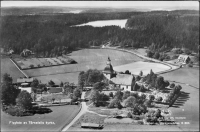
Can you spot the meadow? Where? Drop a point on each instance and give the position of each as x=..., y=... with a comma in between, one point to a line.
x=86, y=59
x=145, y=67
x=8, y=67
x=60, y=116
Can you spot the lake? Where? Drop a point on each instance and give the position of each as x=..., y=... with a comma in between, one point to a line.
x=102, y=23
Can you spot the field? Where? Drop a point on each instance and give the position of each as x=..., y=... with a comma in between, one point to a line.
x=187, y=106
x=145, y=67
x=8, y=67
x=86, y=59
x=41, y=62
x=120, y=23
x=60, y=116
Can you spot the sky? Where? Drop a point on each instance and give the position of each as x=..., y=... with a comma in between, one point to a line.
x=116, y=4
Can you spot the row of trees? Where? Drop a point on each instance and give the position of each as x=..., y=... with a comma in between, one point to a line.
x=154, y=81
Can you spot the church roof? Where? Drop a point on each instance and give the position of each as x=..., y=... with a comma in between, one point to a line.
x=122, y=79
x=108, y=69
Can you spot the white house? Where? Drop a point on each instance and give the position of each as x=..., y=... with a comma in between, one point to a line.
x=25, y=87
x=183, y=59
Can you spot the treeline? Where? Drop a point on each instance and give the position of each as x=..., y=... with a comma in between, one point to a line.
x=51, y=35
x=167, y=29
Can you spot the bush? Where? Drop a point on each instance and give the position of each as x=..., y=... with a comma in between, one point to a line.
x=31, y=66
x=135, y=95
x=172, y=85
x=151, y=97
x=147, y=103
x=115, y=103
x=130, y=101
x=129, y=115
x=17, y=111
x=126, y=95
x=159, y=99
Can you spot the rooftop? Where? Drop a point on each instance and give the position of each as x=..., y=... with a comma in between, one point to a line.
x=122, y=79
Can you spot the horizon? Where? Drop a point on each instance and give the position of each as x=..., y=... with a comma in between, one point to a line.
x=152, y=5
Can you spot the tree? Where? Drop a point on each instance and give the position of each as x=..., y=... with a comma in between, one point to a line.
x=130, y=101
x=166, y=83
x=24, y=100
x=94, y=76
x=7, y=79
x=141, y=73
x=147, y=103
x=172, y=85
x=134, y=95
x=160, y=84
x=68, y=88
x=9, y=93
x=150, y=54
x=77, y=93
x=137, y=78
x=99, y=86
x=34, y=85
x=115, y=103
x=111, y=94
x=81, y=79
x=141, y=89
x=118, y=95
x=104, y=97
x=156, y=55
x=136, y=87
x=61, y=84
x=126, y=95
x=51, y=83
x=127, y=72
x=151, y=97
x=94, y=97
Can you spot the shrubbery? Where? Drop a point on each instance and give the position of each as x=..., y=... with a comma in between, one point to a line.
x=115, y=103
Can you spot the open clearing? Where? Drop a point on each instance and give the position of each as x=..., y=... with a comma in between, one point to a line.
x=86, y=59
x=145, y=67
x=61, y=116
x=103, y=23
x=8, y=67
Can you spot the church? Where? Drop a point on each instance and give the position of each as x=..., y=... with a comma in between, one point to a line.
x=123, y=81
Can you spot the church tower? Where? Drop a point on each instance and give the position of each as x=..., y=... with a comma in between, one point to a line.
x=108, y=70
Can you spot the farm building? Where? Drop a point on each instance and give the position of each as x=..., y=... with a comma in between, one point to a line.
x=53, y=90
x=26, y=52
x=123, y=81
x=24, y=80
x=183, y=59
x=25, y=87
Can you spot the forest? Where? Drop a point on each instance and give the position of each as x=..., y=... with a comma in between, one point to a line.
x=51, y=35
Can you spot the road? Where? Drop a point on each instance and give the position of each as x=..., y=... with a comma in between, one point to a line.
x=172, y=67
x=84, y=109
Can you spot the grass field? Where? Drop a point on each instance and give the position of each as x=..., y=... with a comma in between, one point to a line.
x=61, y=116
x=187, y=105
x=145, y=67
x=86, y=59
x=8, y=67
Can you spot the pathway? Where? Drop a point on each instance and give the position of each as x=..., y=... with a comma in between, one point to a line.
x=84, y=109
